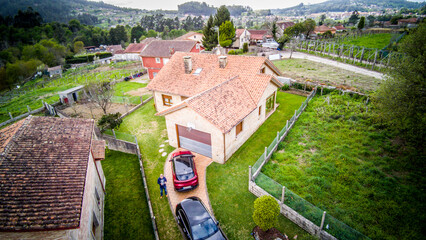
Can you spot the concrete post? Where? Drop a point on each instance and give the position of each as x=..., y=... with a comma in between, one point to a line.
x=375, y=59
x=362, y=55
x=250, y=176
x=113, y=133
x=29, y=109
x=286, y=125
x=141, y=100
x=295, y=114
x=322, y=220
x=10, y=115
x=266, y=152
x=321, y=90
x=278, y=137
x=282, y=195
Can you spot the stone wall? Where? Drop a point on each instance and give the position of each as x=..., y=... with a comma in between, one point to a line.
x=119, y=145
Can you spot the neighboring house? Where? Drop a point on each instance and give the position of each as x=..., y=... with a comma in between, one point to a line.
x=53, y=71
x=158, y=53
x=323, y=28
x=409, y=22
x=282, y=26
x=257, y=36
x=194, y=36
x=213, y=104
x=119, y=55
x=133, y=51
x=241, y=36
x=70, y=96
x=51, y=181
x=113, y=48
x=340, y=28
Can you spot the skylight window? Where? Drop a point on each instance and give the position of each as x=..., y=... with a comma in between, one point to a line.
x=197, y=71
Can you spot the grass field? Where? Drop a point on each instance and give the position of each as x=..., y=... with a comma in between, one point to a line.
x=302, y=69
x=228, y=184
x=378, y=40
x=340, y=160
x=36, y=91
x=126, y=209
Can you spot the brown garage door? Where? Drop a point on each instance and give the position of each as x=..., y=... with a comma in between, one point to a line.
x=194, y=140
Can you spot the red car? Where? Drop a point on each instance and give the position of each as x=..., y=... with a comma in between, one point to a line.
x=185, y=175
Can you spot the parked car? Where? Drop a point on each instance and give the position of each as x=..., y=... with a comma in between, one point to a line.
x=185, y=175
x=196, y=222
x=270, y=43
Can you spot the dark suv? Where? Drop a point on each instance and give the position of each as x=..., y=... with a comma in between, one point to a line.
x=185, y=175
x=196, y=222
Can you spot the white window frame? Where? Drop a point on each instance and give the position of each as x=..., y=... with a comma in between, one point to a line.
x=157, y=60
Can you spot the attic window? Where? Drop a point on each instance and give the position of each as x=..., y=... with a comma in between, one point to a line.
x=197, y=71
x=262, y=70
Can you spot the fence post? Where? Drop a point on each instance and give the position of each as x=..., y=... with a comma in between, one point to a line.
x=113, y=133
x=286, y=125
x=321, y=90
x=141, y=100
x=278, y=137
x=295, y=114
x=282, y=195
x=374, y=62
x=10, y=115
x=322, y=220
x=362, y=55
x=250, y=176
x=266, y=152
x=29, y=109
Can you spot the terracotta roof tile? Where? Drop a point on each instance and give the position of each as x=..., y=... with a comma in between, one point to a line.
x=238, y=32
x=7, y=133
x=138, y=47
x=161, y=48
x=186, y=36
x=43, y=172
x=98, y=149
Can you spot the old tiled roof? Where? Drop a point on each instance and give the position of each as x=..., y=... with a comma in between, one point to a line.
x=54, y=68
x=43, y=172
x=98, y=149
x=188, y=36
x=322, y=29
x=238, y=32
x=7, y=133
x=258, y=34
x=113, y=48
x=164, y=48
x=135, y=48
x=340, y=27
x=223, y=96
x=119, y=52
x=284, y=25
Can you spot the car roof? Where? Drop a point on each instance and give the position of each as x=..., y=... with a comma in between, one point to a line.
x=195, y=210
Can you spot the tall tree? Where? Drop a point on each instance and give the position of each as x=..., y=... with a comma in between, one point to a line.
x=100, y=93
x=361, y=23
x=401, y=99
x=274, y=29
x=222, y=16
x=136, y=33
x=210, y=36
x=309, y=26
x=227, y=34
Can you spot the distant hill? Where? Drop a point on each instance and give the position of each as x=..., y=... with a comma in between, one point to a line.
x=346, y=6
x=52, y=10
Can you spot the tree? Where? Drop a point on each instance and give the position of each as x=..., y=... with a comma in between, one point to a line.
x=266, y=211
x=353, y=19
x=245, y=47
x=100, y=93
x=136, y=33
x=321, y=21
x=283, y=40
x=78, y=47
x=210, y=36
x=274, y=29
x=371, y=19
x=401, y=98
x=110, y=121
x=222, y=16
x=226, y=34
x=309, y=26
x=118, y=34
x=361, y=23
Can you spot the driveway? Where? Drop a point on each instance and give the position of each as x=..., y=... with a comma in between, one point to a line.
x=201, y=163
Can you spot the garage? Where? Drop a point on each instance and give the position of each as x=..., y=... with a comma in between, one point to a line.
x=194, y=140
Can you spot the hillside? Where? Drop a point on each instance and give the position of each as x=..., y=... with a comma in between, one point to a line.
x=53, y=10
x=346, y=6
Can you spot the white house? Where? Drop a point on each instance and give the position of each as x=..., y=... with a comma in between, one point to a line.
x=213, y=104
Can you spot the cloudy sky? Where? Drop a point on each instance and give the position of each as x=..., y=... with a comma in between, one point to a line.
x=172, y=4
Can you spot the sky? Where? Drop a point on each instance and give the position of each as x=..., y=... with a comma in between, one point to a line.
x=172, y=4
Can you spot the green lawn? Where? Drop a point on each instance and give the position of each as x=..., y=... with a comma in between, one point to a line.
x=378, y=40
x=228, y=184
x=126, y=209
x=151, y=133
x=303, y=70
x=338, y=158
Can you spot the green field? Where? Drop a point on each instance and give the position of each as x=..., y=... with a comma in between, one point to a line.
x=338, y=158
x=126, y=209
x=378, y=40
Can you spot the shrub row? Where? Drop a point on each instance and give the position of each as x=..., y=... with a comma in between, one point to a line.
x=87, y=58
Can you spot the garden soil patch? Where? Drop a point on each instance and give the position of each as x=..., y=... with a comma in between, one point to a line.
x=271, y=234
x=90, y=110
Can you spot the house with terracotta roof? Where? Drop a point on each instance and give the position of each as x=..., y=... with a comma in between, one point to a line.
x=132, y=52
x=51, y=181
x=213, y=104
x=409, y=22
x=241, y=36
x=339, y=28
x=282, y=26
x=192, y=36
x=323, y=28
x=158, y=53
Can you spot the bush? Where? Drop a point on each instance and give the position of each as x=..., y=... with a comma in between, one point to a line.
x=235, y=52
x=286, y=87
x=245, y=47
x=266, y=210
x=110, y=121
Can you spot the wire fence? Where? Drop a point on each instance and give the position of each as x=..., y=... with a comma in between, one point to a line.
x=120, y=135
x=328, y=223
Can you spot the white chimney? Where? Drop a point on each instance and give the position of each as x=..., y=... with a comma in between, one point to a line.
x=187, y=64
x=223, y=60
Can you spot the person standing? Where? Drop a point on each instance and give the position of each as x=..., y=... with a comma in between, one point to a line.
x=162, y=182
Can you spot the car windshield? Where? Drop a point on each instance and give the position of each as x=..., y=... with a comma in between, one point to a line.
x=204, y=229
x=183, y=168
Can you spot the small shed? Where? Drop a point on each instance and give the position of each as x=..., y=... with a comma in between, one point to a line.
x=70, y=96
x=55, y=71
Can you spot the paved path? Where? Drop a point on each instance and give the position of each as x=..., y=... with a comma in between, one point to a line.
x=349, y=67
x=201, y=163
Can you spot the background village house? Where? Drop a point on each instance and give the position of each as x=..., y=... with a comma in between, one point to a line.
x=53, y=71
x=51, y=180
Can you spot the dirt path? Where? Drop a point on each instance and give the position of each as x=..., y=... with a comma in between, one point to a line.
x=363, y=71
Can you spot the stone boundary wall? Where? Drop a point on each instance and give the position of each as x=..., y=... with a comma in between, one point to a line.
x=26, y=114
x=292, y=215
x=136, y=107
